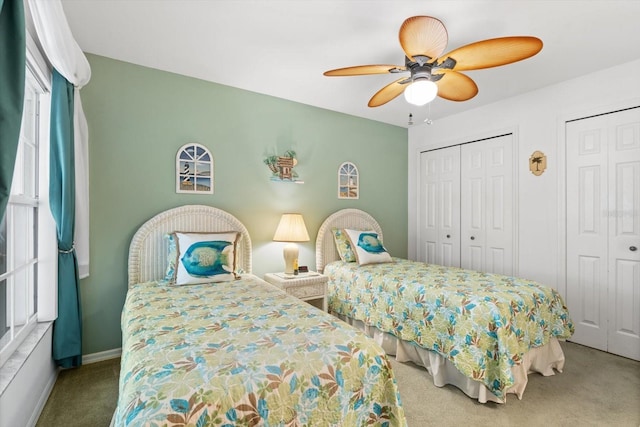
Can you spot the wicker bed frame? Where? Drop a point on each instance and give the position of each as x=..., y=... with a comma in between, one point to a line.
x=148, y=249
x=541, y=359
x=356, y=219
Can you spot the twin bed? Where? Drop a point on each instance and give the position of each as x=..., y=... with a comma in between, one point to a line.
x=481, y=332
x=242, y=352
x=238, y=351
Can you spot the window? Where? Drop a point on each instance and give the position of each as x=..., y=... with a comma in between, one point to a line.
x=26, y=257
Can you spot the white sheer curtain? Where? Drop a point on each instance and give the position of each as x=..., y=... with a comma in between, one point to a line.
x=64, y=54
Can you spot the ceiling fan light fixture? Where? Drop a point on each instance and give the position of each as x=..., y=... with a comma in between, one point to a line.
x=423, y=39
x=421, y=92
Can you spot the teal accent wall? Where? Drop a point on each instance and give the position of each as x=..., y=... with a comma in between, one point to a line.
x=138, y=119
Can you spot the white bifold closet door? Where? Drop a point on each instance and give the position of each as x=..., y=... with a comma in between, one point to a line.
x=466, y=206
x=603, y=231
x=439, y=210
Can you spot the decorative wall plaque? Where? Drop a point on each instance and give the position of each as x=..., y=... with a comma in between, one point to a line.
x=194, y=169
x=281, y=167
x=537, y=163
x=348, y=181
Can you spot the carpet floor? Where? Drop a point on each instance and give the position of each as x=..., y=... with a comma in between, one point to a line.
x=595, y=389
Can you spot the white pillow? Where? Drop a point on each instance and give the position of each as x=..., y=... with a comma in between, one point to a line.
x=205, y=257
x=367, y=247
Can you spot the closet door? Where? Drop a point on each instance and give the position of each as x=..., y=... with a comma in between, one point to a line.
x=603, y=231
x=587, y=231
x=439, y=207
x=624, y=234
x=487, y=205
x=465, y=210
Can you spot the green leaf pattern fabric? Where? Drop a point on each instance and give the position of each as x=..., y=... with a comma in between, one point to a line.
x=245, y=353
x=343, y=245
x=483, y=323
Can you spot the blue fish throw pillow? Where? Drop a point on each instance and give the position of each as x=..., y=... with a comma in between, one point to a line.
x=205, y=257
x=368, y=247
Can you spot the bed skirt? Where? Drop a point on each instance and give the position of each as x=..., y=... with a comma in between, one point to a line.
x=543, y=360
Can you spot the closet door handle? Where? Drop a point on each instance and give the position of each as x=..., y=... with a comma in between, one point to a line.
x=473, y=238
x=633, y=248
x=448, y=236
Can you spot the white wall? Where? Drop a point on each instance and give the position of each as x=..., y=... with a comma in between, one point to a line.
x=538, y=119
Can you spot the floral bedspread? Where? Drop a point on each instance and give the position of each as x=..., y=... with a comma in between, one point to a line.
x=483, y=323
x=245, y=353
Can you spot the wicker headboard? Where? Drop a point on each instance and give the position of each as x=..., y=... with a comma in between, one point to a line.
x=148, y=249
x=346, y=218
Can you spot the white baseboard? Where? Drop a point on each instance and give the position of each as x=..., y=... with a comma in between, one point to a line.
x=101, y=355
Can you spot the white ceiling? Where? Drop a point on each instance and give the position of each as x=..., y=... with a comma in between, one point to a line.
x=282, y=47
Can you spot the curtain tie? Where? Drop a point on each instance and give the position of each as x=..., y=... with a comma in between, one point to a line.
x=73, y=248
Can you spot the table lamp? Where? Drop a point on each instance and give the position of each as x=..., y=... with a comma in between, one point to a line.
x=291, y=229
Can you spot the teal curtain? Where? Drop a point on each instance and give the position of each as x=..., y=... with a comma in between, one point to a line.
x=67, y=328
x=12, y=66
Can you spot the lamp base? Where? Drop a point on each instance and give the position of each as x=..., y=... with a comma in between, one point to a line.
x=290, y=253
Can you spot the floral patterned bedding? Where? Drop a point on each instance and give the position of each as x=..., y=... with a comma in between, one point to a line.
x=483, y=323
x=245, y=353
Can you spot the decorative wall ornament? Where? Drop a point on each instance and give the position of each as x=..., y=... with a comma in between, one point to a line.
x=537, y=163
x=281, y=167
x=194, y=169
x=348, y=181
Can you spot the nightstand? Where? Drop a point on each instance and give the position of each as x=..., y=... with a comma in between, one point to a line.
x=306, y=286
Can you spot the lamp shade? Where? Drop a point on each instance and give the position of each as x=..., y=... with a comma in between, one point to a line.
x=421, y=92
x=291, y=229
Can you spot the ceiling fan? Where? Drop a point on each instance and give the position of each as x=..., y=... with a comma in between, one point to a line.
x=423, y=39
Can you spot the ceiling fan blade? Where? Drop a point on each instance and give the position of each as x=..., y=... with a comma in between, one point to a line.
x=362, y=70
x=456, y=86
x=423, y=35
x=493, y=52
x=388, y=93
